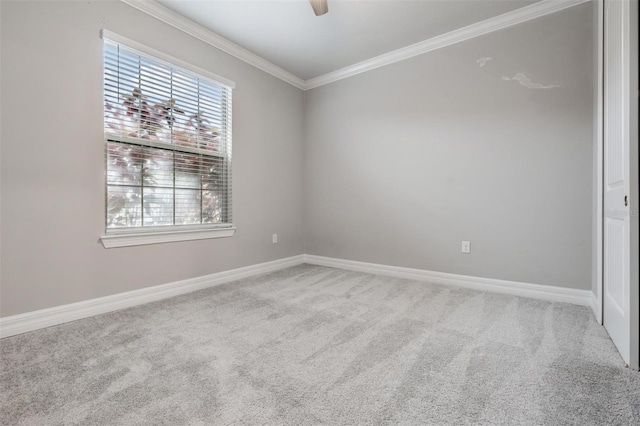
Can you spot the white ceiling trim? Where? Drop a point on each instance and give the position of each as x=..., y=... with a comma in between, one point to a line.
x=536, y=10
x=527, y=13
x=178, y=21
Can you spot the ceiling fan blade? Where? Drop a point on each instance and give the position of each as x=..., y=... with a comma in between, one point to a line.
x=320, y=7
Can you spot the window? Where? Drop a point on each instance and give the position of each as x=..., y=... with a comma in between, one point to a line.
x=168, y=149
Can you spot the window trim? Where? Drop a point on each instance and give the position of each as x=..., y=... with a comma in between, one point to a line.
x=127, y=237
x=155, y=236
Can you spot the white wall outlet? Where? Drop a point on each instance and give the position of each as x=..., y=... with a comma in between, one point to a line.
x=466, y=247
x=274, y=238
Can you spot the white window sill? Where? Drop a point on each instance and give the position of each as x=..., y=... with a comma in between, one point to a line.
x=124, y=239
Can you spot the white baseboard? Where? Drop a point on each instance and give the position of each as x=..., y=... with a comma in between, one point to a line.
x=30, y=321
x=593, y=302
x=536, y=291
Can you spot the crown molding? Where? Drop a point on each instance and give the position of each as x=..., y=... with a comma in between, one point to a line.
x=178, y=21
x=518, y=16
x=527, y=13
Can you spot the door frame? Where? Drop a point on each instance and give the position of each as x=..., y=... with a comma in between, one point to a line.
x=634, y=187
x=598, y=231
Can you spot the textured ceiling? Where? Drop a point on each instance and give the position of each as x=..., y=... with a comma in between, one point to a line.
x=289, y=35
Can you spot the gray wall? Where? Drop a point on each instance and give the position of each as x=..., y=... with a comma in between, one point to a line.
x=400, y=164
x=404, y=162
x=53, y=160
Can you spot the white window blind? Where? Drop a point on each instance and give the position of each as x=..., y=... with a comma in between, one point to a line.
x=168, y=145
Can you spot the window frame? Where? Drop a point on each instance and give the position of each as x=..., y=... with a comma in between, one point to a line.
x=134, y=236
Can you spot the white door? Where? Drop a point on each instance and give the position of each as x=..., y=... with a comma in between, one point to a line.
x=616, y=232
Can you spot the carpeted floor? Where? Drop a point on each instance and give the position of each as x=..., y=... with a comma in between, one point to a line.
x=316, y=345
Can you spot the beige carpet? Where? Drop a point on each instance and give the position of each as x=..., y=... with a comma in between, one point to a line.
x=315, y=345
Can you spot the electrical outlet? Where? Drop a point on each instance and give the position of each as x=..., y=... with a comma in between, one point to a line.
x=274, y=238
x=466, y=247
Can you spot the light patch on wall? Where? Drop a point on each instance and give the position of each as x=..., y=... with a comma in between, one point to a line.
x=526, y=82
x=483, y=61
